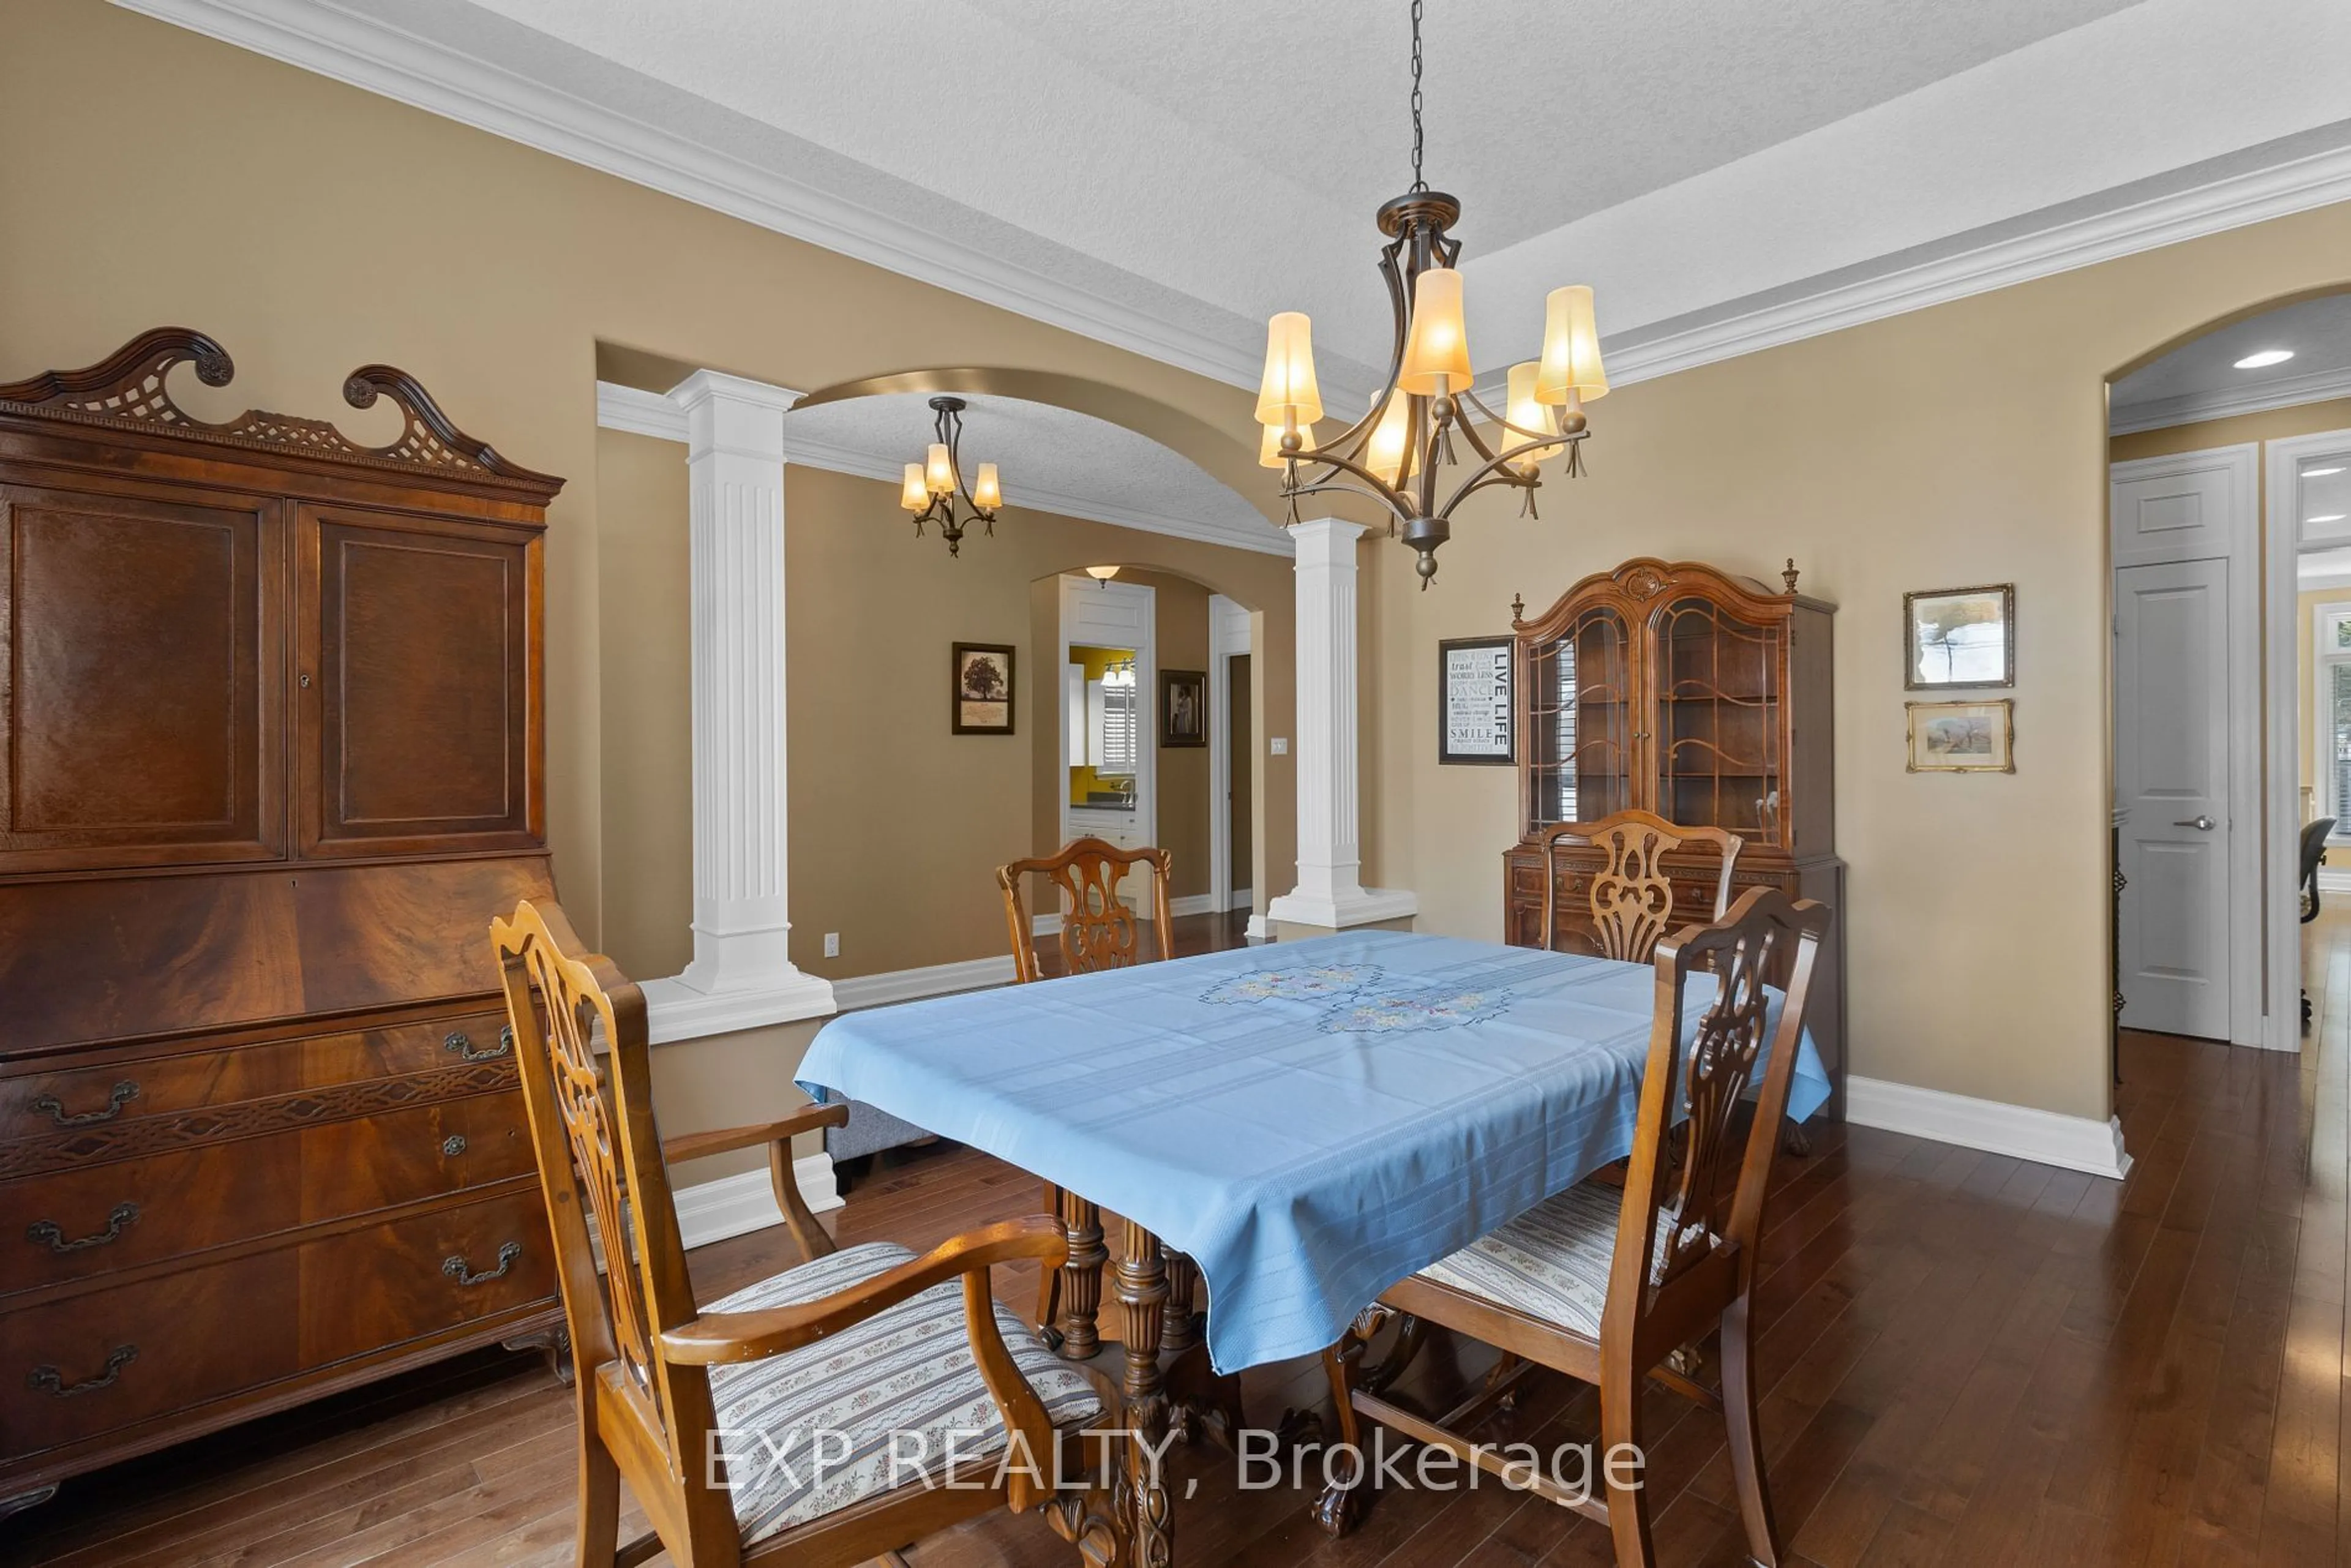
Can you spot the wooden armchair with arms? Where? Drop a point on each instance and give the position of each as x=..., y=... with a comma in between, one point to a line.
x=807, y=1417
x=1604, y=1285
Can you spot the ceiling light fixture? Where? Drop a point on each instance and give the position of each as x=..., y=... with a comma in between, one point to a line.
x=1102, y=574
x=2264, y=360
x=932, y=485
x=1392, y=454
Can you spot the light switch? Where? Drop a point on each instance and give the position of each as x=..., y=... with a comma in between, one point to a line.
x=1281, y=745
x=833, y=944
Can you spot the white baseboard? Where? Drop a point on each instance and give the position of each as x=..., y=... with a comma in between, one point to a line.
x=1260, y=929
x=1192, y=903
x=1243, y=897
x=932, y=980
x=2071, y=1142
x=2333, y=881
x=1046, y=925
x=737, y=1205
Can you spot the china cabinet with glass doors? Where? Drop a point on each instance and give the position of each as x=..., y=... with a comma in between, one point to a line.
x=1703, y=698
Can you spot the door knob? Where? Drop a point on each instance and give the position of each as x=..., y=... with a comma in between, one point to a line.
x=2201, y=824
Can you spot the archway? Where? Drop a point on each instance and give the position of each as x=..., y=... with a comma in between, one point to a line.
x=2229, y=536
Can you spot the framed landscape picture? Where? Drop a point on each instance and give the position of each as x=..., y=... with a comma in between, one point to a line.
x=1476, y=701
x=1182, y=707
x=1959, y=637
x=983, y=689
x=1962, y=737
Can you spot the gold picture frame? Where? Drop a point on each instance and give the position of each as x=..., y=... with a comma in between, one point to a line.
x=1961, y=738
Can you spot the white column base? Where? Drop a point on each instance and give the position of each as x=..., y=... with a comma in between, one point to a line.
x=677, y=1010
x=1356, y=907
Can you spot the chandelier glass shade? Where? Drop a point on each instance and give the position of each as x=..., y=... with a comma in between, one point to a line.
x=934, y=486
x=1402, y=453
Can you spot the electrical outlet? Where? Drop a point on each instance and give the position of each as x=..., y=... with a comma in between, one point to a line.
x=1281, y=745
x=833, y=944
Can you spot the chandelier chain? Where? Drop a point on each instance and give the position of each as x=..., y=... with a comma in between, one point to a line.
x=1418, y=183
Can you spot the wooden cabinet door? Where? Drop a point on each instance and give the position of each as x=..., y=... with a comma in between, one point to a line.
x=418, y=684
x=140, y=679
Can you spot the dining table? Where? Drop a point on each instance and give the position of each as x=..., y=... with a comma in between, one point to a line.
x=1300, y=1124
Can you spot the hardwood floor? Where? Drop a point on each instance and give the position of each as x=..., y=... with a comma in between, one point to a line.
x=1967, y=1359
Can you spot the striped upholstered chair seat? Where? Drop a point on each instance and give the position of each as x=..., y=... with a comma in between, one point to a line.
x=907, y=1369
x=1551, y=1262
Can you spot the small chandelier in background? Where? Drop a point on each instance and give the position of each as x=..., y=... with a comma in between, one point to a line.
x=1393, y=453
x=934, y=484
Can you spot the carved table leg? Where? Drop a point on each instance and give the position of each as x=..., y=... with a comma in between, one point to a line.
x=1081, y=1277
x=1143, y=1291
x=1341, y=1504
x=1180, y=1325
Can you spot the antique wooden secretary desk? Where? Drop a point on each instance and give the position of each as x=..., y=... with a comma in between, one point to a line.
x=1705, y=698
x=271, y=739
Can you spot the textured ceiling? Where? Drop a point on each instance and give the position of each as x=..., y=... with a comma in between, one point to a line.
x=1166, y=175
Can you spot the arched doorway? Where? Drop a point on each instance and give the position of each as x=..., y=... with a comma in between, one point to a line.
x=2230, y=516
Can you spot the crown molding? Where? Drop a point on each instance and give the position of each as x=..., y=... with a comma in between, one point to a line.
x=638, y=412
x=374, y=56
x=368, y=54
x=2194, y=408
x=641, y=412
x=1969, y=266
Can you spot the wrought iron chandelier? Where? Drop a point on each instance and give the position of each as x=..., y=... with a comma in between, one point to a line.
x=934, y=484
x=1392, y=454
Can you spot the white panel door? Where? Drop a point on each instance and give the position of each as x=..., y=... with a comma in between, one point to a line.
x=2172, y=760
x=2185, y=507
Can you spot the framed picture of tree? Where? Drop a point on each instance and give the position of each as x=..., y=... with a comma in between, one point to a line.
x=1959, y=637
x=982, y=698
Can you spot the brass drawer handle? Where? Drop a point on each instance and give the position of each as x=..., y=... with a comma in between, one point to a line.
x=454, y=1266
x=454, y=1145
x=462, y=1043
x=50, y=1234
x=48, y=1380
x=121, y=1095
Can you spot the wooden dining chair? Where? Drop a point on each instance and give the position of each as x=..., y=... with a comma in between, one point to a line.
x=1098, y=932
x=1632, y=895
x=1605, y=1284
x=807, y=1417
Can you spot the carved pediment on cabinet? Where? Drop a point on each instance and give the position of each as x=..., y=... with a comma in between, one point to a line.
x=130, y=389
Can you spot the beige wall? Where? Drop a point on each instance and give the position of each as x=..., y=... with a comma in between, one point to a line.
x=1959, y=445
x=897, y=826
x=312, y=229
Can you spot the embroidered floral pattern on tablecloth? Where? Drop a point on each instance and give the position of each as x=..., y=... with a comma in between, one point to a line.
x=1310, y=984
x=1413, y=1010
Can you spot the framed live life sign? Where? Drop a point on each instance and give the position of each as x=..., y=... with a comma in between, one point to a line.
x=1475, y=700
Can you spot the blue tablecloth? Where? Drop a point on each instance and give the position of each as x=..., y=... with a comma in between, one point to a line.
x=1309, y=1122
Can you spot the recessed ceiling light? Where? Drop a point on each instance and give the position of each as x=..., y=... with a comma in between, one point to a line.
x=2320, y=473
x=2329, y=518
x=2266, y=358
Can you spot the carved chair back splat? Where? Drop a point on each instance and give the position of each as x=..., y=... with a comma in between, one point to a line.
x=1098, y=930
x=1632, y=895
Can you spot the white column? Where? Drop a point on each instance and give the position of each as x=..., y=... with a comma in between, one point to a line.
x=742, y=974
x=1330, y=893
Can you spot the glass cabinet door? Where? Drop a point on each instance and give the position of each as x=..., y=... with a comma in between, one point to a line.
x=1580, y=724
x=1717, y=747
